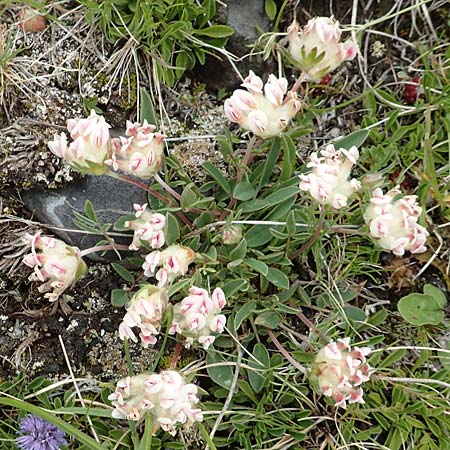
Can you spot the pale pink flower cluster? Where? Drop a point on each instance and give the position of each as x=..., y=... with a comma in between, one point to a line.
x=140, y=153
x=55, y=263
x=394, y=223
x=316, y=49
x=148, y=227
x=328, y=183
x=90, y=147
x=197, y=316
x=145, y=311
x=166, y=396
x=264, y=109
x=341, y=371
x=174, y=262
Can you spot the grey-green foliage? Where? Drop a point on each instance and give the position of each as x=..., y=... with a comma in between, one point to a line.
x=172, y=33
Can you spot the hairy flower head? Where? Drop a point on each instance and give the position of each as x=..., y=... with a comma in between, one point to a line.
x=340, y=371
x=145, y=311
x=90, y=145
x=55, y=263
x=393, y=222
x=264, y=109
x=316, y=49
x=328, y=182
x=140, y=153
x=198, y=316
x=165, y=395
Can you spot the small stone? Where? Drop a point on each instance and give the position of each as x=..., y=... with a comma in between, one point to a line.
x=31, y=20
x=110, y=197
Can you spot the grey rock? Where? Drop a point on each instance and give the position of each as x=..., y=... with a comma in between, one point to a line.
x=245, y=17
x=110, y=197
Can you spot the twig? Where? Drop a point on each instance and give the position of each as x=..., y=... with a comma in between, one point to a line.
x=88, y=418
x=229, y=396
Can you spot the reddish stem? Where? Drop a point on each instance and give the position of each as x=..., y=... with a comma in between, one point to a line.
x=176, y=355
x=285, y=353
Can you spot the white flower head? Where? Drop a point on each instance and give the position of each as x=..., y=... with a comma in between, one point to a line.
x=328, y=182
x=166, y=396
x=140, y=153
x=264, y=109
x=90, y=148
x=340, y=371
x=173, y=262
x=55, y=263
x=148, y=227
x=316, y=49
x=393, y=223
x=145, y=312
x=198, y=316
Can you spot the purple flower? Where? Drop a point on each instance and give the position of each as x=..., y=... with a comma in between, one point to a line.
x=38, y=434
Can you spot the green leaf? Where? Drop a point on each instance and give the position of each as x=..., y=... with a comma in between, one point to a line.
x=256, y=379
x=188, y=197
x=268, y=319
x=215, y=31
x=355, y=139
x=271, y=161
x=217, y=175
x=221, y=375
x=242, y=313
x=147, y=110
x=354, y=313
x=282, y=194
x=289, y=157
x=258, y=235
x=119, y=224
x=232, y=286
x=278, y=278
x=119, y=298
x=123, y=272
x=172, y=229
x=90, y=211
x=433, y=291
x=257, y=265
x=271, y=9
x=421, y=309
x=239, y=251
x=244, y=191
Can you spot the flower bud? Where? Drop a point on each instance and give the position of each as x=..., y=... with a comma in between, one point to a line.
x=393, y=223
x=166, y=396
x=140, y=153
x=232, y=234
x=148, y=227
x=174, y=262
x=340, y=371
x=145, y=311
x=328, y=183
x=198, y=316
x=55, y=263
x=316, y=49
x=90, y=147
x=263, y=109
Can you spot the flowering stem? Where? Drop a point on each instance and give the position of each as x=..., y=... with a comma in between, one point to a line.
x=139, y=184
x=246, y=160
x=102, y=248
x=146, y=441
x=151, y=192
x=311, y=241
x=285, y=353
x=311, y=326
x=176, y=355
x=126, y=349
x=166, y=187
x=298, y=83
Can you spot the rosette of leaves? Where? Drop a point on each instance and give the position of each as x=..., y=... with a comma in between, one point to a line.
x=176, y=35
